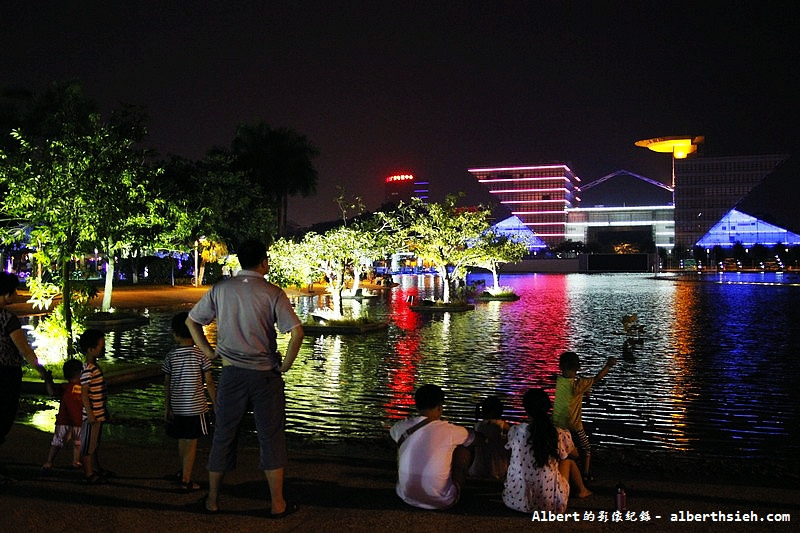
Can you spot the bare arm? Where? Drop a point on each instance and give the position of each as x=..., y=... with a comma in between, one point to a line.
x=167, y=392
x=21, y=342
x=87, y=405
x=603, y=371
x=211, y=387
x=199, y=338
x=293, y=347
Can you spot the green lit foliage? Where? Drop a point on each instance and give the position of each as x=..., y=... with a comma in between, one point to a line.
x=491, y=250
x=73, y=181
x=291, y=263
x=213, y=202
x=442, y=233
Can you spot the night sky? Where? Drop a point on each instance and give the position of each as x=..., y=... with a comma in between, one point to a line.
x=432, y=88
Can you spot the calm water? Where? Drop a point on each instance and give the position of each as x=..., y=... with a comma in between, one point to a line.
x=716, y=373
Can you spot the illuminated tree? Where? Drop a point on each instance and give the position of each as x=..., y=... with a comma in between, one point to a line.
x=73, y=183
x=441, y=233
x=210, y=215
x=492, y=250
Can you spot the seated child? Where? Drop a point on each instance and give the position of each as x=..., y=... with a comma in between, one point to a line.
x=69, y=417
x=491, y=455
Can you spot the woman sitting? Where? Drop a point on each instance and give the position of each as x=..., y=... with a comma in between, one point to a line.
x=540, y=468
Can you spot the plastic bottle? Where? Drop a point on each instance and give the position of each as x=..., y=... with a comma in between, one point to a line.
x=622, y=498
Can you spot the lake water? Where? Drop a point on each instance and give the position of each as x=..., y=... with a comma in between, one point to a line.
x=716, y=373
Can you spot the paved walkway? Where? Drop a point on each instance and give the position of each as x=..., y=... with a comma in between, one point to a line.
x=353, y=492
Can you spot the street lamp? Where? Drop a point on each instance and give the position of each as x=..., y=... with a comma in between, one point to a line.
x=680, y=146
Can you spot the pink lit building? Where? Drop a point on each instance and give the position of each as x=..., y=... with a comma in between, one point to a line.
x=540, y=196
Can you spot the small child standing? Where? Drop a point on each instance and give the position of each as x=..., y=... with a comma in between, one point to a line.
x=185, y=406
x=92, y=344
x=491, y=456
x=568, y=405
x=69, y=417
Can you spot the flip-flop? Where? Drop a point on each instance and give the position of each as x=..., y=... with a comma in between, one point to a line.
x=290, y=508
x=189, y=486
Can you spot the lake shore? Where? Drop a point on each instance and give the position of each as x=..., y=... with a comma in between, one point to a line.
x=350, y=485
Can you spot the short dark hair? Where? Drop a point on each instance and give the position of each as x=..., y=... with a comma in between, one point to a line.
x=179, y=326
x=536, y=401
x=569, y=361
x=8, y=283
x=428, y=397
x=251, y=253
x=89, y=339
x=71, y=368
x=492, y=407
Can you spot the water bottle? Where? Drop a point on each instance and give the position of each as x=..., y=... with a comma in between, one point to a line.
x=622, y=499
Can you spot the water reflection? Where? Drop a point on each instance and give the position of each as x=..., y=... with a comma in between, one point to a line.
x=715, y=374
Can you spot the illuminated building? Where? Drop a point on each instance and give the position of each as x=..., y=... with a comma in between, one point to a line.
x=766, y=215
x=707, y=188
x=539, y=195
x=403, y=187
x=623, y=207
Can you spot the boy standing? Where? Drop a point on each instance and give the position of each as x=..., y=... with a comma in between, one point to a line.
x=185, y=407
x=92, y=344
x=70, y=415
x=568, y=405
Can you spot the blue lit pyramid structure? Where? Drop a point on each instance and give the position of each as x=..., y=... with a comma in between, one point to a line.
x=513, y=228
x=767, y=215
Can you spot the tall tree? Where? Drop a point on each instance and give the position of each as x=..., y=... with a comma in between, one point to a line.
x=442, y=234
x=279, y=162
x=69, y=180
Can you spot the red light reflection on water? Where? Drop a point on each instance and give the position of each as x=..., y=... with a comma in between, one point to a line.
x=402, y=375
x=532, y=351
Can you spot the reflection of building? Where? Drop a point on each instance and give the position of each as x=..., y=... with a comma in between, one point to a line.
x=539, y=195
x=403, y=187
x=707, y=188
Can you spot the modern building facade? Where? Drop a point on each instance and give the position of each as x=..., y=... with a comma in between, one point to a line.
x=403, y=187
x=707, y=188
x=540, y=196
x=623, y=207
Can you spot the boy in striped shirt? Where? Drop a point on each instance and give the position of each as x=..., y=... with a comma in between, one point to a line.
x=185, y=406
x=92, y=344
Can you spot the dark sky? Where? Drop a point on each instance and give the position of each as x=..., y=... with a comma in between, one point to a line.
x=432, y=88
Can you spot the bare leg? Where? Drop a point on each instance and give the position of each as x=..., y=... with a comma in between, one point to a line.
x=88, y=470
x=275, y=482
x=214, y=483
x=570, y=471
x=51, y=456
x=187, y=450
x=76, y=455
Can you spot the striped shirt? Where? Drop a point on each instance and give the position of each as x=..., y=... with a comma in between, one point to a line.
x=92, y=377
x=185, y=367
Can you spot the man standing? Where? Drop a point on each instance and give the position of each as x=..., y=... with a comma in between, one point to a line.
x=247, y=309
x=433, y=455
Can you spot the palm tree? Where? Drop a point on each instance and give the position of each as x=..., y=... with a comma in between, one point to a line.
x=278, y=161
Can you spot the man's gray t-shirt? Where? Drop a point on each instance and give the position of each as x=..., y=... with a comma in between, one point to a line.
x=247, y=308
